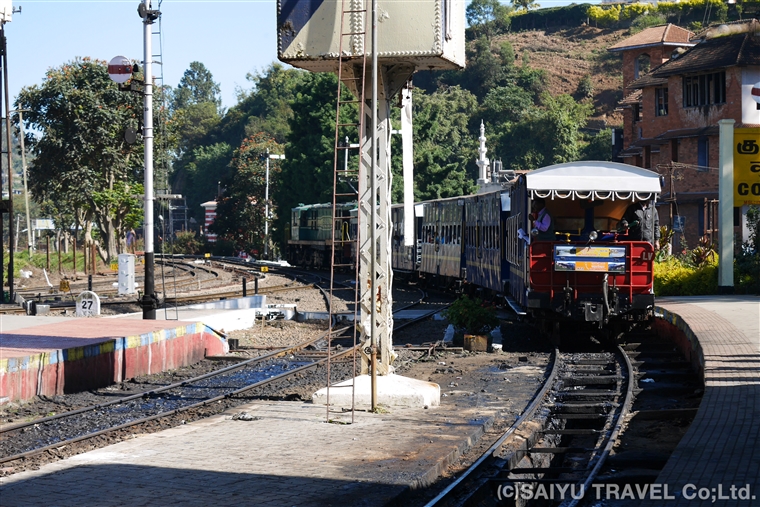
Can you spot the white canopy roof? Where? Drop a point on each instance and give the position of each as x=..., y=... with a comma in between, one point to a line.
x=593, y=180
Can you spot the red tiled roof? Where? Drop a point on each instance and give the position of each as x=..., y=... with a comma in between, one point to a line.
x=663, y=35
x=632, y=98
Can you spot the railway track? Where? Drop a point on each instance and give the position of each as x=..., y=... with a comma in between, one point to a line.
x=587, y=434
x=30, y=438
x=562, y=438
x=27, y=440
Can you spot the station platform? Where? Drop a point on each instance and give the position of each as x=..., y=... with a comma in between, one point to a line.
x=717, y=461
x=286, y=453
x=49, y=355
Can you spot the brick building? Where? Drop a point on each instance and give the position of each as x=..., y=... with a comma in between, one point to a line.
x=676, y=89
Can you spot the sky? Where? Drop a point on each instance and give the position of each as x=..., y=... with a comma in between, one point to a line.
x=232, y=38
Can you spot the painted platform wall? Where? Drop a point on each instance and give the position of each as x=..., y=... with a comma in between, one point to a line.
x=94, y=365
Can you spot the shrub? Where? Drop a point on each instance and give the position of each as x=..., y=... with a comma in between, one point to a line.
x=646, y=21
x=604, y=17
x=674, y=277
x=471, y=316
x=633, y=11
x=186, y=243
x=585, y=87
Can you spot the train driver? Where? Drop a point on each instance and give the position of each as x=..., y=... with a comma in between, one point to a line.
x=643, y=222
x=542, y=221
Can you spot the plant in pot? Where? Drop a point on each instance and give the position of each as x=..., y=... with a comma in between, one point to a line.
x=472, y=321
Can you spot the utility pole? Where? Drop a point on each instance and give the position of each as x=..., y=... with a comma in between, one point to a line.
x=29, y=239
x=266, y=204
x=6, y=206
x=149, y=299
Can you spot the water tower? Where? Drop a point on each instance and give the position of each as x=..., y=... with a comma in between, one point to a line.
x=338, y=36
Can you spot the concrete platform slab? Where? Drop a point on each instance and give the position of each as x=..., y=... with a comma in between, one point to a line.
x=287, y=455
x=392, y=391
x=719, y=456
x=51, y=356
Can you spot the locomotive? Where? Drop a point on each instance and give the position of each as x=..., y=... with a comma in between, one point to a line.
x=310, y=236
x=588, y=273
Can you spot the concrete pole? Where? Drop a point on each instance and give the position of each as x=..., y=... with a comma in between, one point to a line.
x=149, y=300
x=266, y=213
x=726, y=210
x=9, y=208
x=30, y=244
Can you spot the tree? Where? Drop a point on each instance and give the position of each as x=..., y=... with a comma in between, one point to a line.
x=196, y=87
x=75, y=128
x=209, y=167
x=307, y=171
x=444, y=146
x=525, y=5
x=265, y=108
x=546, y=135
x=240, y=213
x=483, y=14
x=598, y=147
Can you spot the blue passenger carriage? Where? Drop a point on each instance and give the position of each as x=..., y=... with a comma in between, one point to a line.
x=441, y=248
x=483, y=241
x=405, y=259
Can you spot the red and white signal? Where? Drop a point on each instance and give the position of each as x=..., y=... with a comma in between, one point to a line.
x=120, y=69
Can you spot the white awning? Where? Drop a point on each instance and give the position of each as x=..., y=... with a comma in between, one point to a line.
x=593, y=180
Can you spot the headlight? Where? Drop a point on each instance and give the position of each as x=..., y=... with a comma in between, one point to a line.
x=592, y=236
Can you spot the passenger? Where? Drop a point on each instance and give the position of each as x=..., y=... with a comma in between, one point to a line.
x=641, y=227
x=542, y=221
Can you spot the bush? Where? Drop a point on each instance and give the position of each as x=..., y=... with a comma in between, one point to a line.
x=633, y=11
x=471, y=316
x=186, y=243
x=585, y=87
x=647, y=21
x=674, y=277
x=604, y=17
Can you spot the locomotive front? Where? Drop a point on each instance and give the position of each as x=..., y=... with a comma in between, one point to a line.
x=591, y=269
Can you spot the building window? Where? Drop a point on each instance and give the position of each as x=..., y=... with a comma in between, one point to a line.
x=641, y=66
x=703, y=152
x=704, y=90
x=636, y=108
x=661, y=101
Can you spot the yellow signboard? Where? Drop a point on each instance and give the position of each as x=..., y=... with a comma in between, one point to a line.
x=114, y=266
x=264, y=269
x=746, y=166
x=63, y=285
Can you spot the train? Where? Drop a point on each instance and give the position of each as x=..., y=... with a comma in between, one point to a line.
x=591, y=272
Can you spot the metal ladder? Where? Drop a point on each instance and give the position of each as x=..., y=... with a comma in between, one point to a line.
x=344, y=246
x=159, y=123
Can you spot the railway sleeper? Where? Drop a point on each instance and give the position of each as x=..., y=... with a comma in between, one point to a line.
x=542, y=470
x=573, y=431
x=583, y=408
x=587, y=394
x=559, y=450
x=580, y=417
x=595, y=380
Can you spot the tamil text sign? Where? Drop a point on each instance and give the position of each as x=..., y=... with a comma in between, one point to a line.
x=746, y=166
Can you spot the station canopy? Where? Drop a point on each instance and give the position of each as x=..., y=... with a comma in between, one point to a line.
x=594, y=181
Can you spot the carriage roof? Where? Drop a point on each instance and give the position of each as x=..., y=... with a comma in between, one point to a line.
x=593, y=180
x=344, y=206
